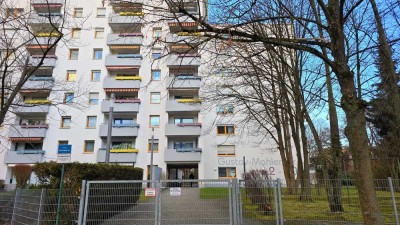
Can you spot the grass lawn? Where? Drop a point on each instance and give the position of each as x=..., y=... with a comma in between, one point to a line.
x=315, y=210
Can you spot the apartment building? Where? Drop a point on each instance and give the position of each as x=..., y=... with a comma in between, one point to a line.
x=150, y=75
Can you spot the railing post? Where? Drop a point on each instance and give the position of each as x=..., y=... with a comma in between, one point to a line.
x=396, y=214
x=82, y=202
x=42, y=194
x=230, y=194
x=17, y=192
x=157, y=200
x=280, y=201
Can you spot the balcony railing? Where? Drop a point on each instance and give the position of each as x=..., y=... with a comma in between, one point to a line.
x=121, y=77
x=184, y=82
x=175, y=106
x=38, y=102
x=189, y=100
x=183, y=129
x=123, y=60
x=115, y=19
x=23, y=131
x=125, y=39
x=27, y=126
x=121, y=82
x=183, y=155
x=120, y=157
x=121, y=105
x=120, y=130
x=24, y=156
x=184, y=60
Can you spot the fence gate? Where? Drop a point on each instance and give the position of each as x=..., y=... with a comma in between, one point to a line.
x=179, y=202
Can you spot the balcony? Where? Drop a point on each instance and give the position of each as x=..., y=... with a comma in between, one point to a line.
x=39, y=2
x=48, y=61
x=183, y=129
x=34, y=83
x=125, y=18
x=183, y=60
x=121, y=105
x=120, y=82
x=123, y=60
x=130, y=130
x=183, y=155
x=51, y=19
x=43, y=41
x=32, y=109
x=24, y=156
x=38, y=131
x=183, y=37
x=125, y=39
x=117, y=157
x=117, y=2
x=175, y=106
x=191, y=82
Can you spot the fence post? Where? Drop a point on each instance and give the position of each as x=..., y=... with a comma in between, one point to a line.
x=17, y=192
x=42, y=194
x=275, y=186
x=280, y=201
x=157, y=201
x=85, y=205
x=235, y=187
x=82, y=202
x=396, y=214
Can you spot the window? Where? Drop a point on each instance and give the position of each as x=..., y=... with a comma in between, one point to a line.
x=91, y=121
x=101, y=13
x=66, y=122
x=99, y=32
x=226, y=172
x=94, y=98
x=71, y=75
x=33, y=146
x=96, y=74
x=223, y=71
x=155, y=97
x=73, y=54
x=154, y=121
x=181, y=145
x=97, y=54
x=14, y=12
x=183, y=120
x=76, y=33
x=155, y=145
x=89, y=147
x=156, y=55
x=156, y=75
x=78, y=12
x=69, y=98
x=157, y=32
x=118, y=121
x=225, y=109
x=225, y=150
x=228, y=129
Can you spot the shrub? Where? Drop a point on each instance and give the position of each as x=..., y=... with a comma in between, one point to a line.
x=22, y=174
x=49, y=173
x=2, y=184
x=259, y=190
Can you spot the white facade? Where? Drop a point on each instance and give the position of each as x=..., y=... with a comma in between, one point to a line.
x=187, y=135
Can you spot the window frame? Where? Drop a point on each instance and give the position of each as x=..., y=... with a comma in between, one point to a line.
x=227, y=172
x=69, y=73
x=225, y=109
x=88, y=121
x=153, y=94
x=63, y=118
x=226, y=130
x=98, y=30
x=152, y=73
x=66, y=96
x=76, y=31
x=227, y=154
x=94, y=53
x=101, y=15
x=75, y=13
x=154, y=116
x=94, y=93
x=92, y=75
x=71, y=50
x=156, y=141
x=85, y=150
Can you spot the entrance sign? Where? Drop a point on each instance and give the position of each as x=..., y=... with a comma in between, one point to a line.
x=175, y=191
x=150, y=192
x=64, y=154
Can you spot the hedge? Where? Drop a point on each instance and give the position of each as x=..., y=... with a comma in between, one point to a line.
x=104, y=201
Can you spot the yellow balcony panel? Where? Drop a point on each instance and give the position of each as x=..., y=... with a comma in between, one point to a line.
x=131, y=13
x=37, y=102
x=48, y=35
x=190, y=100
x=121, y=77
x=128, y=150
x=189, y=34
